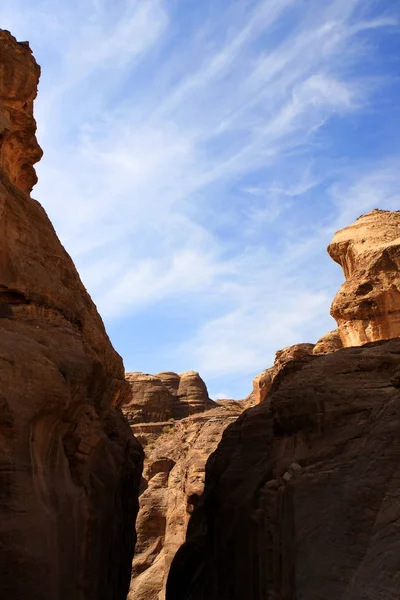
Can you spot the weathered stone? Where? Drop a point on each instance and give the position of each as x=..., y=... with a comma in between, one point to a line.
x=151, y=400
x=173, y=481
x=302, y=494
x=165, y=396
x=262, y=384
x=69, y=465
x=330, y=342
x=367, y=306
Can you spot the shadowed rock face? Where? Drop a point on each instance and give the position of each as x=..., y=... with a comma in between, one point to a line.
x=177, y=447
x=367, y=306
x=69, y=465
x=173, y=481
x=301, y=496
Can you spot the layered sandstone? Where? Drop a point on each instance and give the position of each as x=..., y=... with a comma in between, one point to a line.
x=69, y=465
x=367, y=307
x=176, y=450
x=159, y=398
x=301, y=496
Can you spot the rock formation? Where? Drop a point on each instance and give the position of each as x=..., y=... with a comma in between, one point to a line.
x=301, y=497
x=69, y=465
x=302, y=494
x=367, y=307
x=159, y=398
x=330, y=342
x=262, y=383
x=173, y=478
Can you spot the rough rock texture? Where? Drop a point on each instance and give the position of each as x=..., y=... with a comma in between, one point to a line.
x=69, y=465
x=159, y=398
x=19, y=75
x=330, y=342
x=367, y=307
x=173, y=477
x=262, y=384
x=302, y=495
x=151, y=400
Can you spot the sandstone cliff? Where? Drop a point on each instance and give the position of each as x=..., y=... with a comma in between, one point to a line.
x=302, y=495
x=367, y=307
x=176, y=450
x=69, y=465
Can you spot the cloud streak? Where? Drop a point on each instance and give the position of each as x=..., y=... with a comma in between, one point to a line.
x=198, y=168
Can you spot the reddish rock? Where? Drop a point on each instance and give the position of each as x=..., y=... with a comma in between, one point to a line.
x=165, y=396
x=330, y=342
x=367, y=306
x=173, y=481
x=69, y=465
x=151, y=400
x=262, y=384
x=177, y=447
x=301, y=496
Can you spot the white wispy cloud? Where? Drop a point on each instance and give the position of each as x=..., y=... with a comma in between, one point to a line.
x=188, y=164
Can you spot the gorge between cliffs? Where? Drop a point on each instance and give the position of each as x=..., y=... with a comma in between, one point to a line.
x=119, y=485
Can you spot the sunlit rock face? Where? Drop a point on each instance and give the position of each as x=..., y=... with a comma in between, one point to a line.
x=177, y=447
x=262, y=383
x=69, y=464
x=330, y=342
x=367, y=306
x=19, y=75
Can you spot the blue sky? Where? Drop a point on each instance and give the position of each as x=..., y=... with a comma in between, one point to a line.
x=200, y=155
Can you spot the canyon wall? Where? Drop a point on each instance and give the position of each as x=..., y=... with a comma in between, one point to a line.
x=177, y=448
x=301, y=496
x=69, y=464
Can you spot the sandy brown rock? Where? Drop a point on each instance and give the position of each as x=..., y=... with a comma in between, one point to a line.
x=173, y=480
x=19, y=149
x=367, y=306
x=151, y=400
x=330, y=342
x=262, y=383
x=69, y=465
x=302, y=494
x=165, y=396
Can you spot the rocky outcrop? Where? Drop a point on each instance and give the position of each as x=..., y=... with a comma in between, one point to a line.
x=262, y=384
x=330, y=342
x=173, y=478
x=159, y=398
x=302, y=494
x=69, y=465
x=19, y=149
x=367, y=307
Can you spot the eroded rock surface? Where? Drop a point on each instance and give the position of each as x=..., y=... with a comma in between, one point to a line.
x=262, y=383
x=173, y=478
x=302, y=494
x=69, y=465
x=367, y=307
x=159, y=398
x=330, y=342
